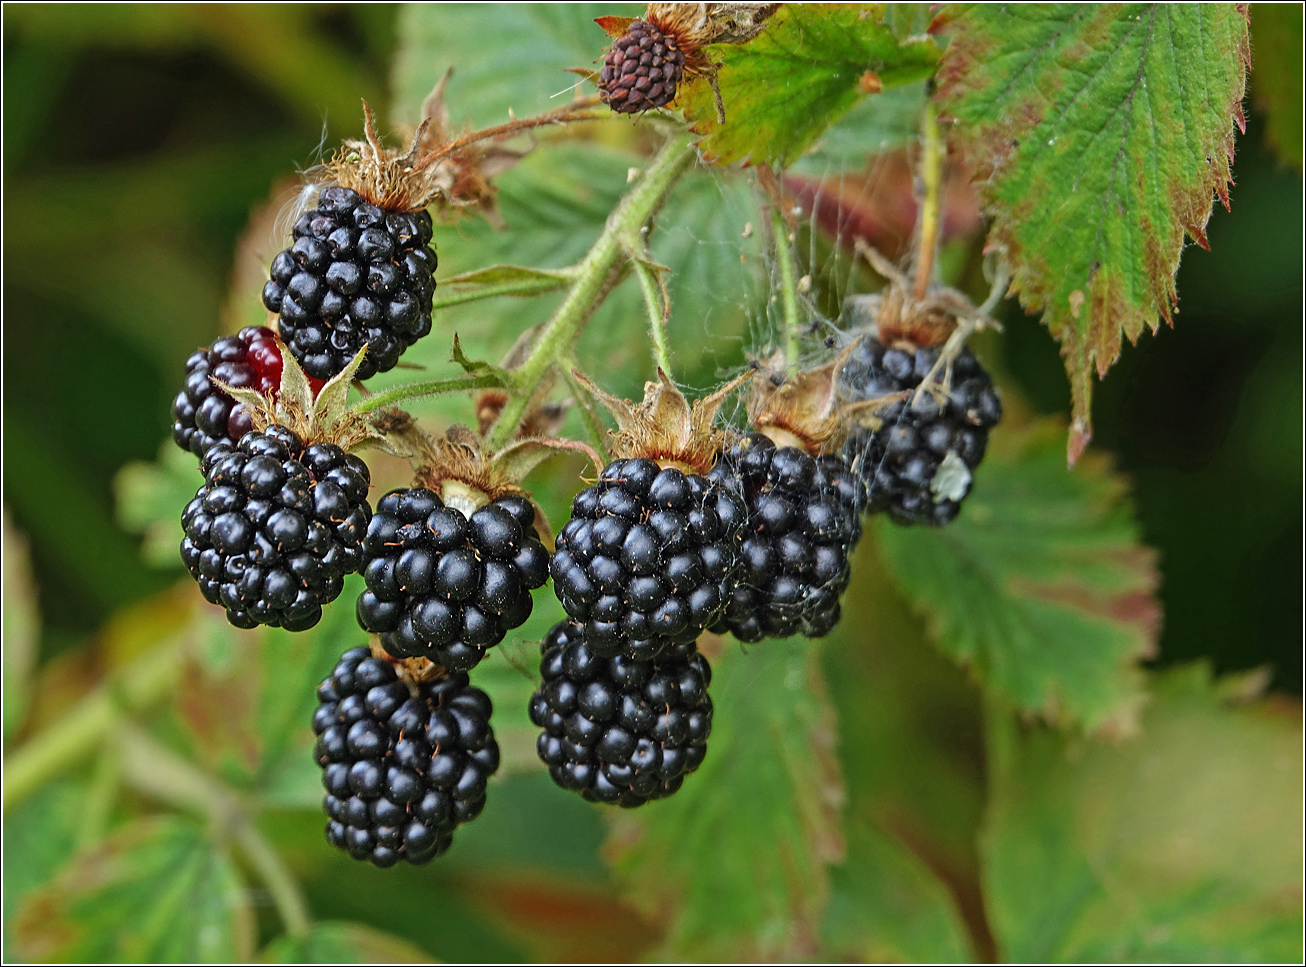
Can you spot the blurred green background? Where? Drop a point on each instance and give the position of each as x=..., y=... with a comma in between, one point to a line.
x=139, y=140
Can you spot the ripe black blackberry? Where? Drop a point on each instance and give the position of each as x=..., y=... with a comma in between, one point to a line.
x=651, y=553
x=356, y=274
x=202, y=414
x=649, y=558
x=445, y=586
x=918, y=466
x=803, y=521
x=619, y=730
x=276, y=527
x=641, y=70
x=403, y=762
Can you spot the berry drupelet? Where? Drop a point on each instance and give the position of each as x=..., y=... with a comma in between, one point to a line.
x=202, y=414
x=803, y=521
x=356, y=274
x=445, y=586
x=641, y=70
x=649, y=558
x=404, y=763
x=276, y=527
x=919, y=464
x=620, y=730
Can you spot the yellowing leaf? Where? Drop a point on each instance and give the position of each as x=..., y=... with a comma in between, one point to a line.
x=1181, y=846
x=1099, y=134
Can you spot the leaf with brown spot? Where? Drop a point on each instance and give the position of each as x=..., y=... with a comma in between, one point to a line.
x=1042, y=585
x=1100, y=134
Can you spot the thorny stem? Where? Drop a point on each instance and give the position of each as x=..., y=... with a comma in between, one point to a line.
x=430, y=387
x=594, y=277
x=932, y=176
x=657, y=315
x=157, y=771
x=788, y=288
x=75, y=735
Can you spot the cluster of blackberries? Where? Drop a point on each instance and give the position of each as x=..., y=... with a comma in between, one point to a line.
x=444, y=586
x=641, y=70
x=276, y=527
x=804, y=517
x=620, y=730
x=918, y=466
x=202, y=414
x=402, y=766
x=649, y=557
x=356, y=274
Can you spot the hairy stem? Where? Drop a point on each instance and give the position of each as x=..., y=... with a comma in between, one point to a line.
x=76, y=735
x=784, y=255
x=430, y=387
x=932, y=177
x=657, y=315
x=594, y=276
x=522, y=287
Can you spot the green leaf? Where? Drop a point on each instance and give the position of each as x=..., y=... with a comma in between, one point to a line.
x=910, y=745
x=41, y=833
x=1277, y=76
x=509, y=57
x=811, y=64
x=22, y=624
x=158, y=890
x=1041, y=586
x=1099, y=135
x=149, y=498
x=344, y=943
x=1181, y=846
x=739, y=853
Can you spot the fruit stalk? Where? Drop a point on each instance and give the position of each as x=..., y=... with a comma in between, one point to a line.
x=932, y=177
x=594, y=279
x=788, y=288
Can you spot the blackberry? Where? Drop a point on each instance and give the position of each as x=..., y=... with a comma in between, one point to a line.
x=803, y=520
x=444, y=586
x=356, y=274
x=402, y=766
x=620, y=730
x=918, y=466
x=202, y=414
x=641, y=70
x=649, y=557
x=276, y=527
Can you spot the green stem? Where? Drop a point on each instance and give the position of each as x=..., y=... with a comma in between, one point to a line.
x=657, y=322
x=932, y=176
x=788, y=288
x=522, y=287
x=594, y=276
x=76, y=735
x=429, y=387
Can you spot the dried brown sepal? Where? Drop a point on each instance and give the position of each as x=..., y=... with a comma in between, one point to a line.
x=411, y=671
x=325, y=418
x=664, y=427
x=467, y=477
x=437, y=166
x=899, y=317
x=805, y=409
